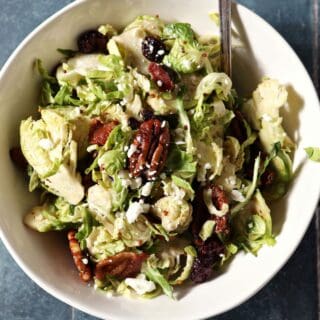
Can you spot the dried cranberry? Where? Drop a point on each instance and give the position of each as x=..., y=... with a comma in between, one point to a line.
x=267, y=178
x=147, y=114
x=162, y=76
x=133, y=123
x=208, y=254
x=92, y=41
x=200, y=272
x=153, y=49
x=18, y=158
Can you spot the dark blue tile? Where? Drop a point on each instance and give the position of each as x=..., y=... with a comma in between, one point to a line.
x=293, y=19
x=291, y=295
x=78, y=315
x=22, y=299
x=18, y=18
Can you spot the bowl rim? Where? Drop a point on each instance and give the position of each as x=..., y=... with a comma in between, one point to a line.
x=91, y=310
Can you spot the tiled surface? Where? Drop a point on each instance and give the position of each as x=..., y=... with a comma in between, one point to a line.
x=291, y=295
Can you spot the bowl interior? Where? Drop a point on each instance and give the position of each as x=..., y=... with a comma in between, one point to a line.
x=45, y=257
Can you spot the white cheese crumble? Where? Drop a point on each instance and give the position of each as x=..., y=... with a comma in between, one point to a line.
x=266, y=117
x=45, y=144
x=135, y=209
x=128, y=181
x=159, y=83
x=232, y=181
x=236, y=195
x=163, y=124
x=146, y=189
x=140, y=284
x=207, y=166
x=161, y=52
x=186, y=63
x=132, y=150
x=85, y=261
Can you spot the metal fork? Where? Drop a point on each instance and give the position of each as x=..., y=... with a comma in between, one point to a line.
x=225, y=33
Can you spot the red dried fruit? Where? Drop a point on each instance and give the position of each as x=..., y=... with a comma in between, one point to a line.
x=268, y=178
x=162, y=76
x=209, y=253
x=92, y=41
x=153, y=49
x=219, y=197
x=84, y=269
x=152, y=144
x=99, y=131
x=18, y=158
x=121, y=265
x=222, y=225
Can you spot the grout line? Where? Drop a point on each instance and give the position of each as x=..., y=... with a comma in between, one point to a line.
x=72, y=313
x=315, y=44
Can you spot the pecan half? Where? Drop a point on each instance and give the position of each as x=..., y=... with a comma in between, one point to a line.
x=99, y=131
x=80, y=260
x=163, y=76
x=219, y=197
x=152, y=143
x=121, y=265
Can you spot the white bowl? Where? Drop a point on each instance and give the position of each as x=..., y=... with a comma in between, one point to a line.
x=45, y=257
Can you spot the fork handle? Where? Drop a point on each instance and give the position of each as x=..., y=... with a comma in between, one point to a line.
x=225, y=32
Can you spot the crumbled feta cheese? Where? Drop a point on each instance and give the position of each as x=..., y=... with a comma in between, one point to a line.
x=159, y=83
x=161, y=52
x=85, y=260
x=207, y=166
x=135, y=209
x=120, y=86
x=266, y=117
x=151, y=48
x=186, y=63
x=45, y=144
x=132, y=150
x=231, y=180
x=236, y=195
x=140, y=285
x=163, y=124
x=146, y=189
x=136, y=183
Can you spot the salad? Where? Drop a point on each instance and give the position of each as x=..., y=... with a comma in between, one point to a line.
x=145, y=156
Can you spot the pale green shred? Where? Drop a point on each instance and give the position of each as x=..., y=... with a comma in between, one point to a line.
x=313, y=153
